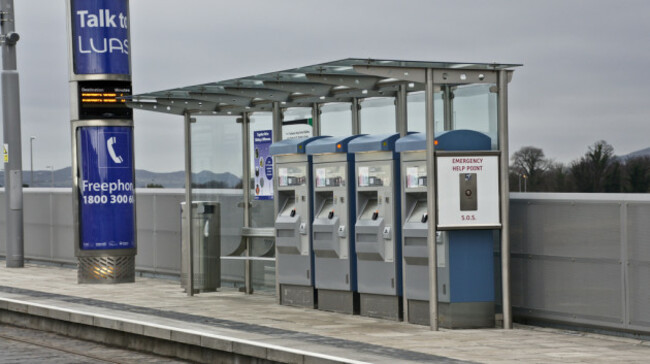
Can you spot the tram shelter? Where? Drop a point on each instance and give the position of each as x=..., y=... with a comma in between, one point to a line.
x=349, y=96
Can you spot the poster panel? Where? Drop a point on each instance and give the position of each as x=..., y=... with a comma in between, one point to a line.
x=106, y=180
x=263, y=165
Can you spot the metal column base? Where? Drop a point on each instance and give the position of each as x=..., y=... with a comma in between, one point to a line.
x=466, y=315
x=301, y=296
x=381, y=306
x=108, y=270
x=459, y=315
x=418, y=312
x=338, y=301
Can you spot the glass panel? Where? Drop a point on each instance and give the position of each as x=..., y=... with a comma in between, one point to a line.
x=332, y=176
x=262, y=211
x=292, y=176
x=291, y=129
x=377, y=115
x=336, y=119
x=216, y=181
x=417, y=112
x=379, y=175
x=475, y=108
x=416, y=176
x=263, y=277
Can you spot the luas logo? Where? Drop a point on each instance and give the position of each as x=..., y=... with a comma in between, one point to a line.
x=102, y=19
x=100, y=36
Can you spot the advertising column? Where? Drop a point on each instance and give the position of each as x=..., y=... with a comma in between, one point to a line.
x=102, y=140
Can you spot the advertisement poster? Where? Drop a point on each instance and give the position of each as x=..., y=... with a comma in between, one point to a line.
x=100, y=37
x=468, y=192
x=106, y=196
x=263, y=165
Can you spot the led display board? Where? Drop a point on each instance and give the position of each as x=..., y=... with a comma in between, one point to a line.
x=99, y=100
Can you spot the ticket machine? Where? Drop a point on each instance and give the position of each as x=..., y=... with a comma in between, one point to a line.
x=333, y=224
x=465, y=256
x=293, y=206
x=378, y=225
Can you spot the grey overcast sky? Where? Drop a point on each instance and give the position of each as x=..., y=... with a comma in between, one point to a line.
x=585, y=74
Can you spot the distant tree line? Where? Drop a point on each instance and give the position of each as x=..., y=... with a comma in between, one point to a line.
x=598, y=170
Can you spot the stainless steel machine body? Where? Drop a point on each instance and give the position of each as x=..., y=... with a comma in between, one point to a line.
x=333, y=225
x=293, y=208
x=378, y=226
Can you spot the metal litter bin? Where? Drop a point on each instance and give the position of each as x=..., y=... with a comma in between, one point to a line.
x=206, y=243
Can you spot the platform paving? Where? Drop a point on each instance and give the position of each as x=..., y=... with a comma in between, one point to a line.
x=20, y=345
x=255, y=325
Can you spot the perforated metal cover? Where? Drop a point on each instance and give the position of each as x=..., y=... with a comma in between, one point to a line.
x=106, y=269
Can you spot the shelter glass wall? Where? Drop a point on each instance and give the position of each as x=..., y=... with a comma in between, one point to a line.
x=475, y=107
x=261, y=213
x=377, y=115
x=216, y=177
x=336, y=119
x=416, y=111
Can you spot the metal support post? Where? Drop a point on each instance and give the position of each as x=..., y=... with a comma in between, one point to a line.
x=315, y=118
x=401, y=127
x=246, y=177
x=277, y=122
x=188, y=204
x=276, y=131
x=505, y=197
x=431, y=201
x=448, y=107
x=12, y=139
x=401, y=116
x=356, y=122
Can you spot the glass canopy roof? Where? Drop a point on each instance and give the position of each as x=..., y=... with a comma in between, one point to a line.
x=337, y=81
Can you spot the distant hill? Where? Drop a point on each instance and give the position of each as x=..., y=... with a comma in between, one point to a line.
x=63, y=178
x=639, y=153
x=177, y=179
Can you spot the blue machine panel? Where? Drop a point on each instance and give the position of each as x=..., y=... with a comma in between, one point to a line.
x=471, y=265
x=331, y=145
x=447, y=140
x=373, y=143
x=106, y=208
x=292, y=146
x=100, y=37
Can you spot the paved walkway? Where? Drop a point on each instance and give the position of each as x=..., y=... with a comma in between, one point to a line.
x=257, y=320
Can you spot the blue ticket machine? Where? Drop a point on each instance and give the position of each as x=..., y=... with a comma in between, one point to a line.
x=293, y=211
x=378, y=225
x=465, y=253
x=333, y=224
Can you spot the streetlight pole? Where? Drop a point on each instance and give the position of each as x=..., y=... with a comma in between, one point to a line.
x=13, y=163
x=31, y=161
x=525, y=183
